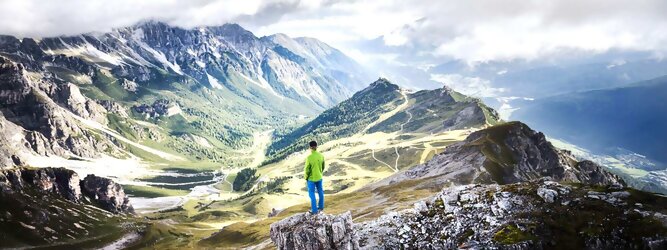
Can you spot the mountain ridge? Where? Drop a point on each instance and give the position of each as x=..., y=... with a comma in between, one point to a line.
x=227, y=83
x=364, y=109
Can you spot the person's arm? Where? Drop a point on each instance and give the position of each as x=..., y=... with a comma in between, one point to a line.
x=322, y=165
x=306, y=170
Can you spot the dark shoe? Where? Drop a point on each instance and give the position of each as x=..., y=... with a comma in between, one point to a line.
x=313, y=213
x=320, y=210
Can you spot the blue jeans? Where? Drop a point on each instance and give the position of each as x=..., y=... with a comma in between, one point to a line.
x=320, y=193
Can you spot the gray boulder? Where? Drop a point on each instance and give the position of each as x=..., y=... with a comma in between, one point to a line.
x=321, y=231
x=108, y=194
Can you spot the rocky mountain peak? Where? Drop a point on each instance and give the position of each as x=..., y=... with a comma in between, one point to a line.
x=234, y=33
x=152, y=25
x=504, y=154
x=380, y=85
x=516, y=144
x=383, y=82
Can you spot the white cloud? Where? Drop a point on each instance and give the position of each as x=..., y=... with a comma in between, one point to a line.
x=395, y=39
x=616, y=63
x=470, y=30
x=34, y=18
x=472, y=86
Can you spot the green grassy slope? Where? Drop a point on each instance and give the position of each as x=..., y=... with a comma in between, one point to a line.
x=342, y=120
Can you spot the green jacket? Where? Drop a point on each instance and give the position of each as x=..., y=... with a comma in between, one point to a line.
x=314, y=166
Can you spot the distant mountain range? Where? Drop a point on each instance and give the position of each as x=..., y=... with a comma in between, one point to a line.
x=191, y=93
x=226, y=56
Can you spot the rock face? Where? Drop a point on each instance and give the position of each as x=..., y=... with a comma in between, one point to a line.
x=309, y=232
x=504, y=154
x=9, y=148
x=114, y=108
x=109, y=195
x=58, y=181
x=66, y=183
x=34, y=103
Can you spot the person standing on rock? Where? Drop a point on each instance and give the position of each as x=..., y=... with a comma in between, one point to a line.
x=313, y=174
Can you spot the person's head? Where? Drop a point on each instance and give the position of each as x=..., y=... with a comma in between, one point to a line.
x=313, y=145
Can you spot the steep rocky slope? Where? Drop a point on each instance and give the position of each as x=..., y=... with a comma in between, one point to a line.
x=39, y=111
x=528, y=215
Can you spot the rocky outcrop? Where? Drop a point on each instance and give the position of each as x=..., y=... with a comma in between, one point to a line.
x=44, y=208
x=532, y=215
x=71, y=97
x=471, y=115
x=114, y=108
x=106, y=193
x=58, y=181
x=540, y=214
x=158, y=108
x=65, y=183
x=8, y=149
x=274, y=212
x=504, y=154
x=309, y=232
x=34, y=102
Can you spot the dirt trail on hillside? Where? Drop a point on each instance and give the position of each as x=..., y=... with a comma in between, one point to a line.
x=389, y=114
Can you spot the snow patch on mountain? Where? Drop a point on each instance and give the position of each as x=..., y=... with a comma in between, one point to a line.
x=87, y=52
x=214, y=82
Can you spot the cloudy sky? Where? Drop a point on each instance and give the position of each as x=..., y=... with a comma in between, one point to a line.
x=390, y=33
